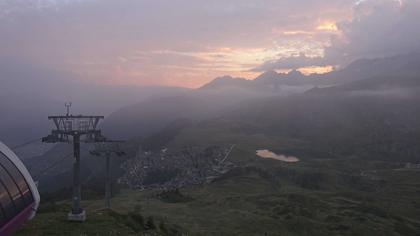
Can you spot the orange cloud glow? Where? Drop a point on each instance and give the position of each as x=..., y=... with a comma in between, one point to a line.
x=316, y=70
x=328, y=26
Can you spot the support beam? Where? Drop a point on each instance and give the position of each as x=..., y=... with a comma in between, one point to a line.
x=106, y=149
x=77, y=213
x=108, y=182
x=75, y=126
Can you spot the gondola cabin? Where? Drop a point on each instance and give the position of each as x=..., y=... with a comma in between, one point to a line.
x=19, y=197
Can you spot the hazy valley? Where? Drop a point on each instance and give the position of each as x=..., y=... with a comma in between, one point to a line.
x=194, y=154
x=209, y=118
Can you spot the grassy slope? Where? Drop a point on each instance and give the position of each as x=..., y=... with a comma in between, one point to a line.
x=249, y=205
x=55, y=223
x=314, y=197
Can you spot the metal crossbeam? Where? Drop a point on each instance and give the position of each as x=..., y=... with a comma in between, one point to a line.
x=80, y=122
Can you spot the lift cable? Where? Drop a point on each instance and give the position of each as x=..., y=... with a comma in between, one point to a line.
x=51, y=166
x=25, y=144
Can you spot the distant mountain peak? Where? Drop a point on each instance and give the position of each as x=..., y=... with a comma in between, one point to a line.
x=295, y=73
x=224, y=77
x=268, y=75
x=224, y=81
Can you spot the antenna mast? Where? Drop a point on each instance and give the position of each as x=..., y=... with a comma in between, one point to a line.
x=68, y=105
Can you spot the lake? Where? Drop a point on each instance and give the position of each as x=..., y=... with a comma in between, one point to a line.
x=271, y=155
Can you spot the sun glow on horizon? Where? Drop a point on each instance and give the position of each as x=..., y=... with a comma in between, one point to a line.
x=316, y=69
x=328, y=26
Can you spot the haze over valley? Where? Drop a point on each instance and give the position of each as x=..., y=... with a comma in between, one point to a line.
x=236, y=117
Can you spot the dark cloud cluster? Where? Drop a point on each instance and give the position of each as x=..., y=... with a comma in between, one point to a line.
x=292, y=62
x=378, y=28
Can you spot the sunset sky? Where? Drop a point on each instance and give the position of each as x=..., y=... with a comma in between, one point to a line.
x=189, y=42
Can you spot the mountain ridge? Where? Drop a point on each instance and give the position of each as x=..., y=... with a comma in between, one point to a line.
x=399, y=65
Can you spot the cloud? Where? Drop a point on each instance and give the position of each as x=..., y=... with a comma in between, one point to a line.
x=9, y=9
x=292, y=62
x=378, y=28
x=100, y=39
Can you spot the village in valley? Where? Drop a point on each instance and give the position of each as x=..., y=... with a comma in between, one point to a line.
x=171, y=170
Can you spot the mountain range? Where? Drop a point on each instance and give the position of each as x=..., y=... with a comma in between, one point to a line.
x=396, y=76
x=272, y=81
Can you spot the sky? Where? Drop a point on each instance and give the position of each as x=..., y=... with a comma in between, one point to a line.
x=188, y=43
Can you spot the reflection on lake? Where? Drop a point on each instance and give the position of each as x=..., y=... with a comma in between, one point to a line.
x=268, y=154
